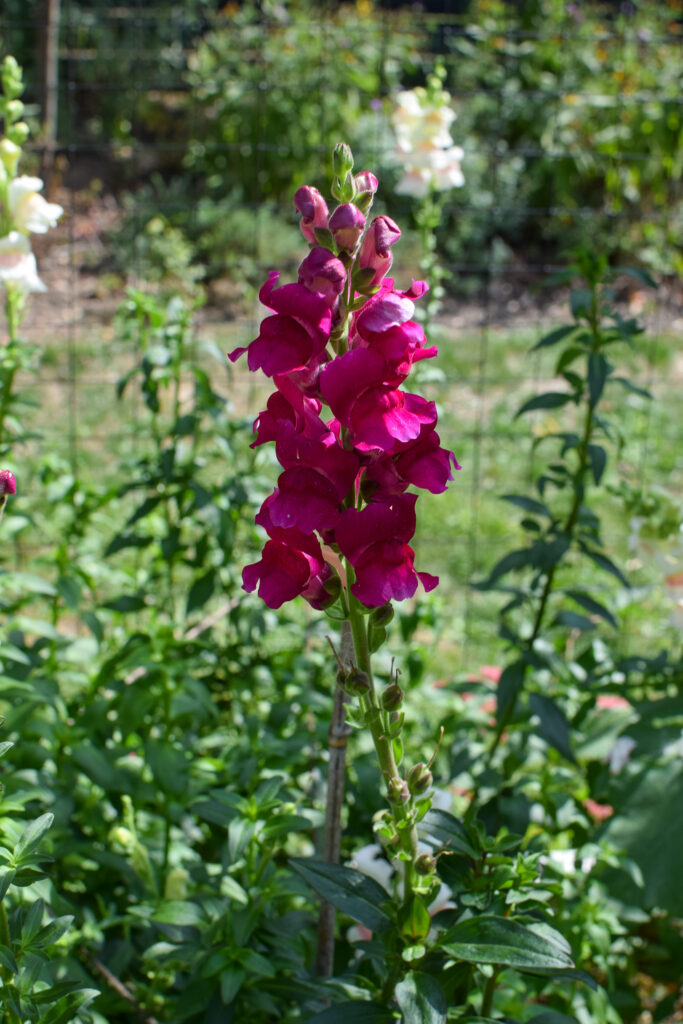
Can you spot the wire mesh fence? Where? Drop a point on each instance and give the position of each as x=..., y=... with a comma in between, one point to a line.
x=176, y=128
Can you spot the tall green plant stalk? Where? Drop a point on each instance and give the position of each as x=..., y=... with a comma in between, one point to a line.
x=574, y=531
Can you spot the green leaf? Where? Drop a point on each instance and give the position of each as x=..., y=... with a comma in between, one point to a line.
x=170, y=765
x=637, y=274
x=488, y=939
x=650, y=831
x=518, y=559
x=283, y=824
x=6, y=879
x=592, y=606
x=125, y=603
x=231, y=888
x=554, y=727
x=185, y=425
x=483, y=1020
x=231, y=979
x=421, y=999
x=97, y=766
x=69, y=590
x=562, y=975
x=580, y=301
x=528, y=504
x=354, y=1011
x=605, y=563
x=598, y=460
x=552, y=1017
x=147, y=506
x=415, y=920
x=510, y=683
x=450, y=833
x=31, y=837
x=64, y=1011
x=633, y=388
x=125, y=540
x=53, y=931
x=548, y=400
x=567, y=357
x=7, y=959
x=349, y=891
x=216, y=811
x=555, y=336
x=598, y=371
x=179, y=912
x=200, y=591
x=572, y=620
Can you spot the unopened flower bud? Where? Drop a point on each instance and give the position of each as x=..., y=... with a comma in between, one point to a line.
x=347, y=224
x=375, y=251
x=342, y=160
x=14, y=110
x=419, y=779
x=8, y=484
x=425, y=864
x=397, y=791
x=365, y=185
x=322, y=272
x=9, y=155
x=18, y=133
x=313, y=209
x=392, y=698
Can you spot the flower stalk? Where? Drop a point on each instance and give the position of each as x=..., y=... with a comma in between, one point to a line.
x=339, y=522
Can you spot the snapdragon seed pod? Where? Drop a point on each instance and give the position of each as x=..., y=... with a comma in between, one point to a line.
x=419, y=779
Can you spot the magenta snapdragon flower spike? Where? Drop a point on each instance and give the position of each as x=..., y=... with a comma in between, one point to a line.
x=353, y=442
x=339, y=344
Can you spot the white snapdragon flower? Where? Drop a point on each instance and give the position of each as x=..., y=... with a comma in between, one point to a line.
x=566, y=862
x=28, y=211
x=424, y=146
x=18, y=264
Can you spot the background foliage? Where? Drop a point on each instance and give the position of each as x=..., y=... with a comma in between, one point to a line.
x=173, y=726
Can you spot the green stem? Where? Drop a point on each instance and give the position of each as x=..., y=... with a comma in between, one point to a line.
x=568, y=529
x=5, y=972
x=384, y=747
x=489, y=993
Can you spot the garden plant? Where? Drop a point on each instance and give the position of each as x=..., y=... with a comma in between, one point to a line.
x=246, y=774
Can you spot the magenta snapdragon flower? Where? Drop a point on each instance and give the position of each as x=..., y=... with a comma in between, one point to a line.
x=339, y=344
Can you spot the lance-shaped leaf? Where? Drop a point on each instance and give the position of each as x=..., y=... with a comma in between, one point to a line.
x=554, y=727
x=347, y=890
x=605, y=563
x=450, y=833
x=548, y=400
x=554, y=337
x=510, y=683
x=528, y=504
x=598, y=460
x=488, y=939
x=591, y=605
x=598, y=372
x=356, y=1011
